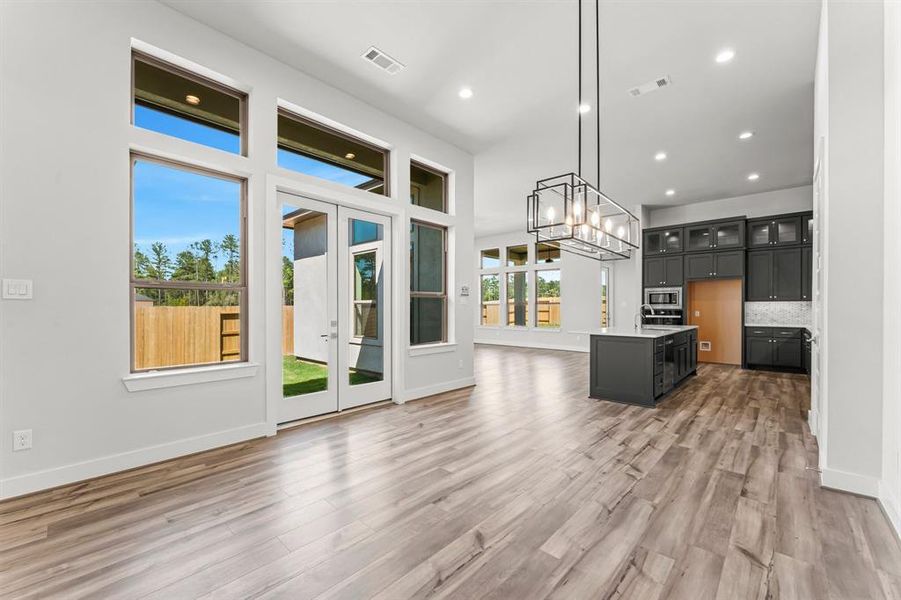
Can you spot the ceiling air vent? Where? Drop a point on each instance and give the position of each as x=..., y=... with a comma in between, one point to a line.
x=382, y=60
x=651, y=86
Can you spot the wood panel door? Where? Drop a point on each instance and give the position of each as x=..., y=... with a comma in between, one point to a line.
x=715, y=307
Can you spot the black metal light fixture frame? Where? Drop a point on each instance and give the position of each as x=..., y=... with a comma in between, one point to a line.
x=568, y=212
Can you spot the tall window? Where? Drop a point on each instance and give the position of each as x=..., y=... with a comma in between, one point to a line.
x=548, y=301
x=315, y=149
x=490, y=298
x=170, y=100
x=188, y=284
x=518, y=299
x=428, y=187
x=428, y=281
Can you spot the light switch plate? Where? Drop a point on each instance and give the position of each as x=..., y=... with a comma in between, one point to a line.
x=17, y=289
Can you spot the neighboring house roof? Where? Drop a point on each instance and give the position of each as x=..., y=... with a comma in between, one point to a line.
x=142, y=298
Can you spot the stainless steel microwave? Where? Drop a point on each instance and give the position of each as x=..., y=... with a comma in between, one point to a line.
x=663, y=297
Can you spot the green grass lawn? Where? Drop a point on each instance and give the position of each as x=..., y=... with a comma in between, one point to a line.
x=301, y=377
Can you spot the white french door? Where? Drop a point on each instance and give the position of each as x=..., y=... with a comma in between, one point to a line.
x=336, y=321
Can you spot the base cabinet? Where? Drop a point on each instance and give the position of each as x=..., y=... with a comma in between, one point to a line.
x=775, y=347
x=640, y=370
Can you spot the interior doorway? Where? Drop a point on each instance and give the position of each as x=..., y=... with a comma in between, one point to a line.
x=336, y=299
x=715, y=306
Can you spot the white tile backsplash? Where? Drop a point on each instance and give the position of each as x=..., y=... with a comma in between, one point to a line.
x=797, y=314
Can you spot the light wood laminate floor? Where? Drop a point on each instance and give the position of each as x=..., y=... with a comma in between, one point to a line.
x=519, y=488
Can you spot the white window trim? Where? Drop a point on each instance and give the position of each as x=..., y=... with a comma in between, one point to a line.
x=154, y=380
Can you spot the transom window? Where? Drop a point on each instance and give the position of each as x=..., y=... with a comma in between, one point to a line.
x=318, y=150
x=188, y=288
x=176, y=102
x=428, y=187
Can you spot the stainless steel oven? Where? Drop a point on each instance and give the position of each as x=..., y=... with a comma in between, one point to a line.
x=670, y=297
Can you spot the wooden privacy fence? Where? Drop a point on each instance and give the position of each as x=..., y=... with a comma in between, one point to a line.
x=548, y=312
x=167, y=336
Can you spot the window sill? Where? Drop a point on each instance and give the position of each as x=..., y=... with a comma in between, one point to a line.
x=152, y=380
x=433, y=349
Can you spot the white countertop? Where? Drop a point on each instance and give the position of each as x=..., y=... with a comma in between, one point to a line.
x=644, y=332
x=795, y=326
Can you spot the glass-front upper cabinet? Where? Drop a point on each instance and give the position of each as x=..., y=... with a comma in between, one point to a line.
x=807, y=229
x=781, y=231
x=663, y=241
x=716, y=236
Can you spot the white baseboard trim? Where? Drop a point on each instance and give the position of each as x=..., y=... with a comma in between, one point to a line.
x=850, y=482
x=813, y=421
x=891, y=504
x=439, y=388
x=536, y=345
x=50, y=478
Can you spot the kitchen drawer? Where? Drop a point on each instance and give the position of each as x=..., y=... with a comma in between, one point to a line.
x=659, y=386
x=680, y=338
x=658, y=344
x=658, y=364
x=759, y=331
x=787, y=332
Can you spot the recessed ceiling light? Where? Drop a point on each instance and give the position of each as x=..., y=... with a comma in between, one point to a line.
x=670, y=192
x=660, y=156
x=584, y=108
x=725, y=55
x=745, y=135
x=753, y=177
x=465, y=93
x=350, y=156
x=191, y=99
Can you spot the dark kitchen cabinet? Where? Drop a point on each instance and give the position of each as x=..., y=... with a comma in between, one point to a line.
x=663, y=271
x=759, y=283
x=714, y=265
x=715, y=236
x=787, y=274
x=759, y=351
x=787, y=353
x=778, y=231
x=663, y=241
x=774, y=275
x=699, y=266
x=806, y=273
x=774, y=347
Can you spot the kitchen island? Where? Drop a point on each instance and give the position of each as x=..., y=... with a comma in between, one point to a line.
x=640, y=366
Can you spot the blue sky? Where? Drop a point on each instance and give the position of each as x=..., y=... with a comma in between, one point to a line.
x=179, y=207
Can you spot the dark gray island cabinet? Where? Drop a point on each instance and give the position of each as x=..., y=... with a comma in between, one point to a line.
x=640, y=366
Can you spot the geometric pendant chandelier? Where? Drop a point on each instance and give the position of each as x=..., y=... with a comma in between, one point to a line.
x=567, y=212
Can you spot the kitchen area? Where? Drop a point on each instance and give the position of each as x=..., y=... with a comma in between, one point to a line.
x=734, y=291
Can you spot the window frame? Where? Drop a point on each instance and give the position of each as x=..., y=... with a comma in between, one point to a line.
x=540, y=268
x=374, y=247
x=385, y=152
x=240, y=287
x=442, y=295
x=242, y=97
x=444, y=185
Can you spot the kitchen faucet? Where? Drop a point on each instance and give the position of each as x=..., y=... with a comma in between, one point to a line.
x=638, y=321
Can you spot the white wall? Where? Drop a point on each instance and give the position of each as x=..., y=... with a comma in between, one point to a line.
x=850, y=118
x=580, y=300
x=795, y=199
x=890, y=489
x=64, y=114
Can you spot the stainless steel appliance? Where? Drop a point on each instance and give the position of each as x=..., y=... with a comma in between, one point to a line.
x=669, y=297
x=667, y=305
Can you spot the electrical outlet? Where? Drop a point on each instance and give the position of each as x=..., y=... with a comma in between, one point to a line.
x=21, y=440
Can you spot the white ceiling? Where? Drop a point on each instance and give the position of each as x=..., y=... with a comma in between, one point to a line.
x=519, y=58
